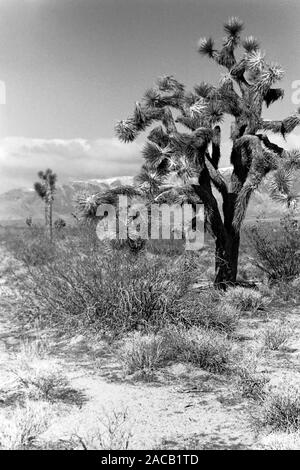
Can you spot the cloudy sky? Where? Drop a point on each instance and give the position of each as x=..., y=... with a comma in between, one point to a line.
x=71, y=68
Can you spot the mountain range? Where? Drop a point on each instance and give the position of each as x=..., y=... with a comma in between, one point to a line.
x=18, y=204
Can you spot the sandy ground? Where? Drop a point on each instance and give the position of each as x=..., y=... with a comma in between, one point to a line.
x=182, y=408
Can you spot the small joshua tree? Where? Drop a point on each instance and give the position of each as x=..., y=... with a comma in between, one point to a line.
x=46, y=189
x=194, y=155
x=28, y=221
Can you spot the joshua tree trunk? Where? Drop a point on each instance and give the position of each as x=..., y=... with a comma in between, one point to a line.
x=226, y=262
x=49, y=204
x=46, y=215
x=227, y=251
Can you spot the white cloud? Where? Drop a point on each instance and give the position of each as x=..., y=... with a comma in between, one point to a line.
x=22, y=158
x=292, y=141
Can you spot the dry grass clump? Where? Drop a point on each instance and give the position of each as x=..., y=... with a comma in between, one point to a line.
x=280, y=409
x=245, y=300
x=112, y=431
x=208, y=349
x=276, y=335
x=21, y=428
x=250, y=381
x=277, y=248
x=30, y=246
x=284, y=291
x=44, y=380
x=143, y=353
x=207, y=309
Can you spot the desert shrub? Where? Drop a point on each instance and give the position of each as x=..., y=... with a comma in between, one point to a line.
x=21, y=428
x=250, y=382
x=88, y=282
x=245, y=299
x=43, y=380
x=142, y=353
x=277, y=249
x=145, y=301
x=206, y=349
x=280, y=409
x=30, y=246
x=207, y=309
x=104, y=288
x=276, y=335
x=112, y=431
x=285, y=291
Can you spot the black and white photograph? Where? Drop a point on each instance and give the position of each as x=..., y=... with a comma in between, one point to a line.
x=149, y=228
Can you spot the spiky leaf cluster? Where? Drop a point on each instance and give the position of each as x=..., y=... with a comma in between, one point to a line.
x=46, y=187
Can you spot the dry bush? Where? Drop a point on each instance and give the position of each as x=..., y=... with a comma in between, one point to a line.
x=112, y=431
x=280, y=409
x=207, y=309
x=284, y=291
x=207, y=349
x=276, y=335
x=250, y=382
x=277, y=249
x=245, y=300
x=142, y=353
x=98, y=286
x=30, y=246
x=90, y=284
x=21, y=428
x=44, y=380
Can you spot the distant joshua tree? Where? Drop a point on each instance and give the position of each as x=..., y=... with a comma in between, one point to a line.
x=29, y=221
x=46, y=189
x=194, y=155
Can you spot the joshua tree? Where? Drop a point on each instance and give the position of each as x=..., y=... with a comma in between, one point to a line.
x=193, y=154
x=28, y=221
x=45, y=189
